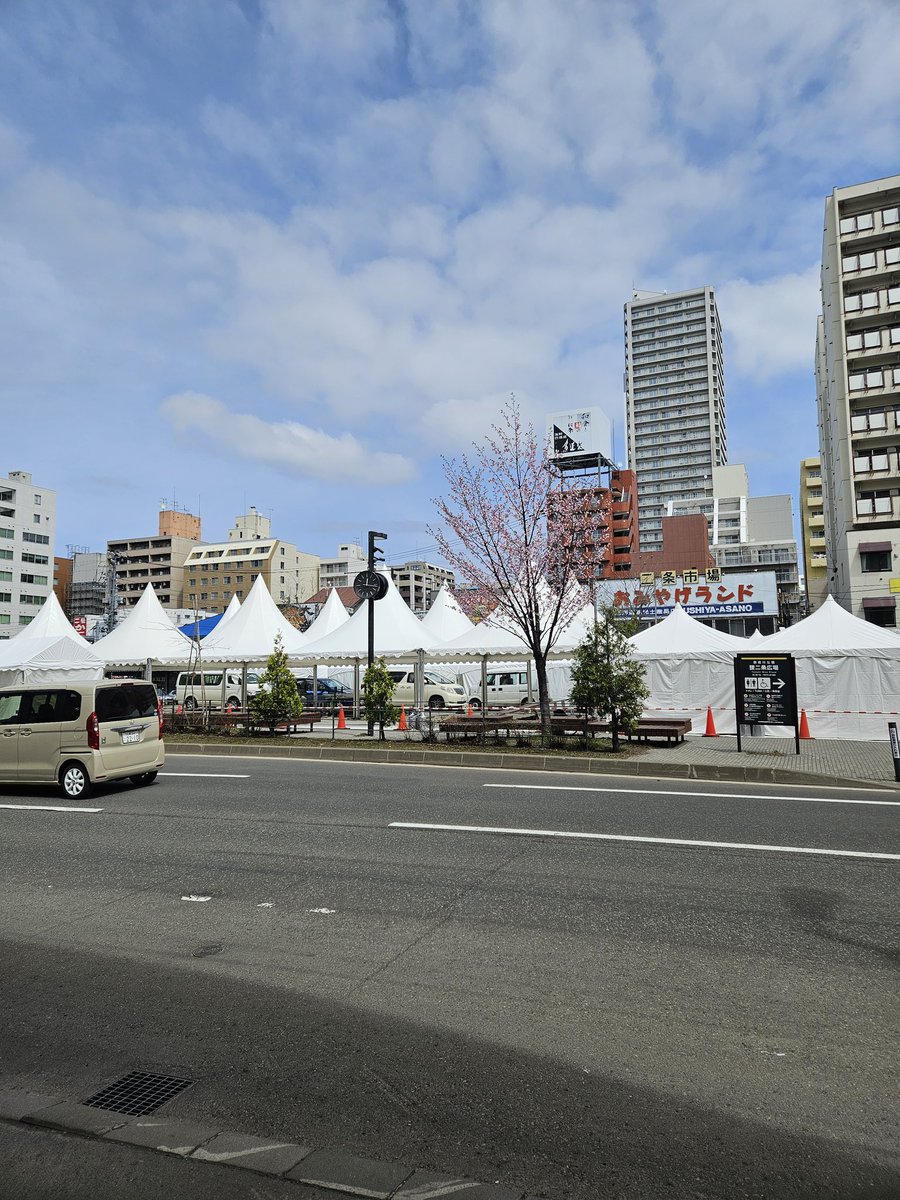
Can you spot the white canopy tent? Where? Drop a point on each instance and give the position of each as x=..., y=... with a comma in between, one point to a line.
x=399, y=633
x=445, y=620
x=331, y=616
x=147, y=633
x=249, y=635
x=51, y=621
x=50, y=659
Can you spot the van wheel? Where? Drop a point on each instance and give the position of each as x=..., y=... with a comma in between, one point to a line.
x=189, y=704
x=524, y=702
x=233, y=702
x=436, y=702
x=74, y=781
x=143, y=780
x=475, y=703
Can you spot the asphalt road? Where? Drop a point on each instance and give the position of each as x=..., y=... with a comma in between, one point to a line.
x=574, y=1017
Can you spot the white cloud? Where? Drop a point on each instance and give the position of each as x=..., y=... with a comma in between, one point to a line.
x=771, y=324
x=287, y=445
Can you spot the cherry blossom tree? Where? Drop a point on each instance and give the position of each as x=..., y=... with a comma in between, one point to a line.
x=519, y=534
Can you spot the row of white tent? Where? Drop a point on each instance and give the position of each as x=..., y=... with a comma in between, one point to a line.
x=848, y=670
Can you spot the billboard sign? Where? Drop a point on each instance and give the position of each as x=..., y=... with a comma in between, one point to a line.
x=581, y=433
x=79, y=624
x=765, y=692
x=703, y=594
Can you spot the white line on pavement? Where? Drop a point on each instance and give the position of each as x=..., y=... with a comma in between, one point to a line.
x=202, y=775
x=49, y=808
x=656, y=841
x=639, y=791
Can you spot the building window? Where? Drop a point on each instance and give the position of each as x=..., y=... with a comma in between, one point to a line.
x=890, y=216
x=893, y=295
x=871, y=462
x=886, y=617
x=4, y=618
x=864, y=380
x=27, y=536
x=892, y=256
x=23, y=620
x=872, y=339
x=859, y=262
x=37, y=502
x=6, y=533
x=5, y=597
x=858, y=224
x=875, y=560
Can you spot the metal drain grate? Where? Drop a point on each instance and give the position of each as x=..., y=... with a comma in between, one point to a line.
x=138, y=1094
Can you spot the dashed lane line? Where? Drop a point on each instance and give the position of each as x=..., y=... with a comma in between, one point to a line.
x=50, y=808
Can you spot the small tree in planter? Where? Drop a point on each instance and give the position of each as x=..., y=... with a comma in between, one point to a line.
x=606, y=679
x=277, y=699
x=378, y=696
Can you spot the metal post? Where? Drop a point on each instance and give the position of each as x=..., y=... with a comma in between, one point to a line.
x=370, y=659
x=895, y=748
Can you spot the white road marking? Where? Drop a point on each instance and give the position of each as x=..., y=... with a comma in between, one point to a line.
x=655, y=841
x=327, y=911
x=202, y=775
x=197, y=899
x=49, y=808
x=546, y=787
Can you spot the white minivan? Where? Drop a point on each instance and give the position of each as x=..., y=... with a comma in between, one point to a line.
x=439, y=690
x=503, y=688
x=203, y=689
x=79, y=734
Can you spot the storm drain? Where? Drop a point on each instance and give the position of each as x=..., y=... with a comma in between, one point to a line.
x=138, y=1094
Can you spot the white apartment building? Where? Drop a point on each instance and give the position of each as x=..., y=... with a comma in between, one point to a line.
x=342, y=570
x=27, y=538
x=674, y=401
x=750, y=533
x=812, y=525
x=858, y=396
x=419, y=582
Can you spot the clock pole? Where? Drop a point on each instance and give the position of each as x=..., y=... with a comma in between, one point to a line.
x=374, y=551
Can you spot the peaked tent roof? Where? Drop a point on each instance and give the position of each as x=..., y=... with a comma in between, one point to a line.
x=397, y=631
x=249, y=635
x=832, y=630
x=201, y=626
x=485, y=638
x=51, y=621
x=331, y=616
x=54, y=658
x=145, y=633
x=445, y=619
x=680, y=633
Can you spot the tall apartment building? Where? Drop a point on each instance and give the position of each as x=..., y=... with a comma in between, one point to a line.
x=216, y=571
x=88, y=594
x=674, y=401
x=812, y=526
x=158, y=560
x=858, y=395
x=27, y=537
x=750, y=533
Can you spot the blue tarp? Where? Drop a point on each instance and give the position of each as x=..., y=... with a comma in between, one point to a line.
x=201, y=628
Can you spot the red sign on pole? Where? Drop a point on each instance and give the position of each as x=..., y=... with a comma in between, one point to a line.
x=79, y=624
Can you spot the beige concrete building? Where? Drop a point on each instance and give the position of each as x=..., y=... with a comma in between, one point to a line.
x=216, y=571
x=341, y=571
x=858, y=396
x=419, y=582
x=158, y=560
x=812, y=524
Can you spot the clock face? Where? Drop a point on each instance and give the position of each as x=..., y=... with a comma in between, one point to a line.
x=370, y=585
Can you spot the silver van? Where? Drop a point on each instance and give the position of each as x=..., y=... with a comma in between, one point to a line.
x=79, y=734
x=504, y=688
x=204, y=689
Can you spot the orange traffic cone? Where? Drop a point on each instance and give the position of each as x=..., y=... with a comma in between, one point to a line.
x=401, y=724
x=805, y=735
x=710, y=725
x=470, y=713
x=342, y=720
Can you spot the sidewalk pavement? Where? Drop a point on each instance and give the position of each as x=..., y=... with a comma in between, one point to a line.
x=762, y=759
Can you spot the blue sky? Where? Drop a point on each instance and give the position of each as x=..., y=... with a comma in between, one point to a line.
x=288, y=252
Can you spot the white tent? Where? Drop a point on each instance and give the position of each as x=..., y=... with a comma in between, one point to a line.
x=331, y=616
x=249, y=635
x=445, y=620
x=848, y=672
x=234, y=607
x=680, y=633
x=398, y=632
x=54, y=659
x=146, y=633
x=51, y=621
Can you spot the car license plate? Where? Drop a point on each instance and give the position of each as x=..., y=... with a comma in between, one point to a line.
x=132, y=737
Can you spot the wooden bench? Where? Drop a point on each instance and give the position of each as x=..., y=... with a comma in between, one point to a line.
x=652, y=728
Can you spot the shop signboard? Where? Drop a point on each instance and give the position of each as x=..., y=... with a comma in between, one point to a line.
x=705, y=594
x=579, y=434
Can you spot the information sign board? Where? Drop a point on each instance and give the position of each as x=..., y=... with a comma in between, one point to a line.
x=765, y=691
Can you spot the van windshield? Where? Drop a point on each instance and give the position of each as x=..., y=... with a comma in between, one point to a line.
x=126, y=702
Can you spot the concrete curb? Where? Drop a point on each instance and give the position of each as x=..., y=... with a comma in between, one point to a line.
x=288, y=1162
x=636, y=768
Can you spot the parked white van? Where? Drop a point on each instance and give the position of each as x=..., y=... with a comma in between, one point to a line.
x=503, y=688
x=203, y=689
x=440, y=690
x=79, y=734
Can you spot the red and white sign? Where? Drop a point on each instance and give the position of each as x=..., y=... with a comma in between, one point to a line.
x=79, y=624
